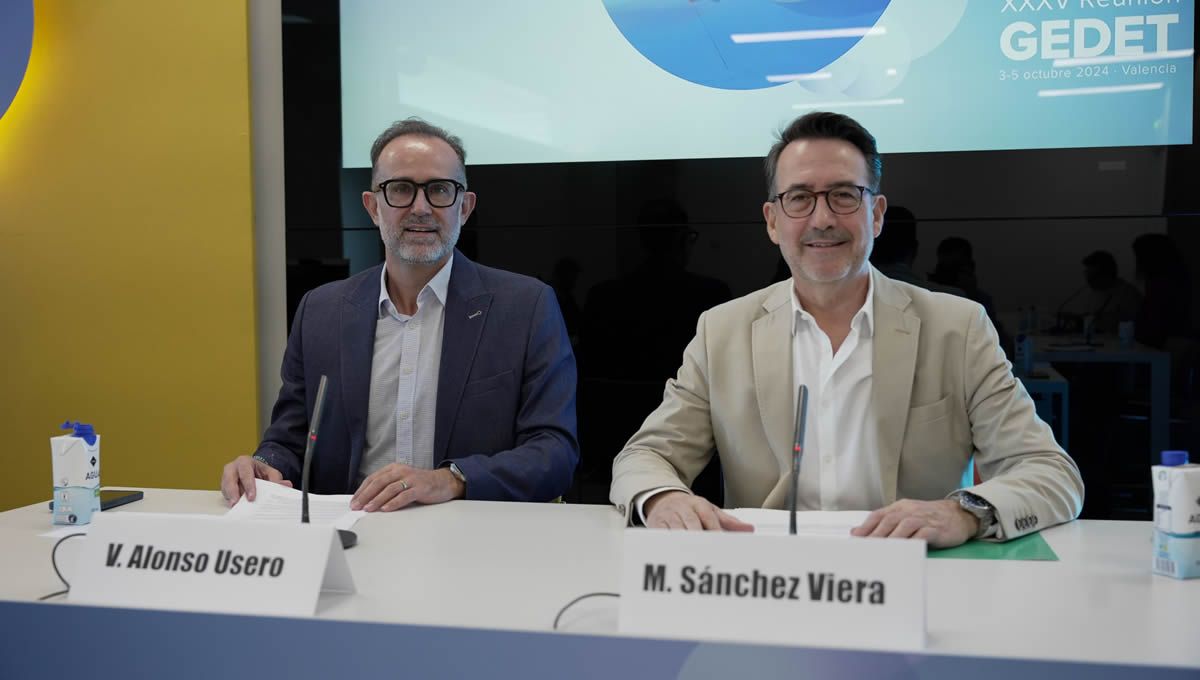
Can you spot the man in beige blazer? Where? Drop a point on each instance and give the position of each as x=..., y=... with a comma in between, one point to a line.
x=907, y=385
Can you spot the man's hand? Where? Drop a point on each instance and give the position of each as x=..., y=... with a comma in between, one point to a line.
x=238, y=478
x=943, y=524
x=682, y=510
x=397, y=486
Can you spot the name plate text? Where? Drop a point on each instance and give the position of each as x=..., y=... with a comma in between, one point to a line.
x=790, y=590
x=199, y=563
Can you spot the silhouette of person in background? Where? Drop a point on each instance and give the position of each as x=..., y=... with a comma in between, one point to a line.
x=896, y=249
x=636, y=327
x=1099, y=391
x=956, y=267
x=1108, y=298
x=1166, y=309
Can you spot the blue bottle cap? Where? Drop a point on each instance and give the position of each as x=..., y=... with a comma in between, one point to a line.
x=1173, y=458
x=86, y=432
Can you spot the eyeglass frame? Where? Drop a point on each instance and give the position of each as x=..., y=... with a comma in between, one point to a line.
x=862, y=193
x=459, y=188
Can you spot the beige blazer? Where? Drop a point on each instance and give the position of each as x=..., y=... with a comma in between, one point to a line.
x=942, y=388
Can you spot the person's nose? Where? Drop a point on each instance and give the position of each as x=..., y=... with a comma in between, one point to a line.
x=420, y=204
x=822, y=217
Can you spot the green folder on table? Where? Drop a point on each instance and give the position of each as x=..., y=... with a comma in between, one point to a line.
x=1031, y=547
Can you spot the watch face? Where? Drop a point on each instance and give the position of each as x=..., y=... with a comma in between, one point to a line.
x=970, y=501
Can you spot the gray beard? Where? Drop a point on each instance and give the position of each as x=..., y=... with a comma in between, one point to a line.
x=420, y=254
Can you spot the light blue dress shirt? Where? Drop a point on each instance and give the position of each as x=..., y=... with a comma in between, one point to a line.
x=401, y=412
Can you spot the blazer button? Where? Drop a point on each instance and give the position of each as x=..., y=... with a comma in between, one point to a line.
x=621, y=509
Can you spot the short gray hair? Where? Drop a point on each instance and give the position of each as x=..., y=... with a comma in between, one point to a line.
x=418, y=127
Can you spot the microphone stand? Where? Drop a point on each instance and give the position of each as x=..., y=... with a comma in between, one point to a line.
x=797, y=452
x=348, y=538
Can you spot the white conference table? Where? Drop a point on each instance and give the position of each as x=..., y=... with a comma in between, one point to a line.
x=512, y=566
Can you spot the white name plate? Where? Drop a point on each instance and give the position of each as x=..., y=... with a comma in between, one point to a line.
x=200, y=563
x=789, y=590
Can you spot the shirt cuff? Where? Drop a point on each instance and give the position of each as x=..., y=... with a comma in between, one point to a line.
x=639, y=501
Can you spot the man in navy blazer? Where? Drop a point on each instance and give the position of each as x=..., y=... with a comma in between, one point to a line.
x=490, y=416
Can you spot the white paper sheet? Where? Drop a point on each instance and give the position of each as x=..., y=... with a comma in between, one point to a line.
x=276, y=503
x=808, y=523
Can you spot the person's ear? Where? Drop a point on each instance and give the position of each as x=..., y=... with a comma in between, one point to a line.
x=769, y=217
x=468, y=206
x=370, y=203
x=878, y=208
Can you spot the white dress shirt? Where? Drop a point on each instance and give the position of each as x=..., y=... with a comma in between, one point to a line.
x=839, y=468
x=401, y=412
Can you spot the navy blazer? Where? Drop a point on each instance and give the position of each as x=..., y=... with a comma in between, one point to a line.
x=506, y=385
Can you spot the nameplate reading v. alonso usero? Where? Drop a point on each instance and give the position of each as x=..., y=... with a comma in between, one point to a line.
x=198, y=563
x=789, y=590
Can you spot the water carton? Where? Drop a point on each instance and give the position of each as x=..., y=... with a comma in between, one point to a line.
x=76, y=467
x=1176, y=516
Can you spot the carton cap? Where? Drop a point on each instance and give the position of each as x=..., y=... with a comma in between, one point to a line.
x=1173, y=458
x=87, y=433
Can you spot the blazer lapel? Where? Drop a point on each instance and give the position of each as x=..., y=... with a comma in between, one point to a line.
x=467, y=304
x=894, y=366
x=771, y=337
x=360, y=312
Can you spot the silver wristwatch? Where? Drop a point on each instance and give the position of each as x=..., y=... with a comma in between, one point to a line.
x=458, y=473
x=982, y=510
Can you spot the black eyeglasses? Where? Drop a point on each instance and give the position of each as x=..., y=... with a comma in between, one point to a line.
x=400, y=193
x=842, y=200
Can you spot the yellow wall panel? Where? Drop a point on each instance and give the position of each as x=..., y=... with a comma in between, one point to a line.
x=126, y=244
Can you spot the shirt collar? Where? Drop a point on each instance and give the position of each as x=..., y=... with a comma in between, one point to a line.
x=864, y=318
x=437, y=287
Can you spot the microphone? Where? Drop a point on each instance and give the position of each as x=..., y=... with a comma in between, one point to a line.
x=797, y=452
x=348, y=538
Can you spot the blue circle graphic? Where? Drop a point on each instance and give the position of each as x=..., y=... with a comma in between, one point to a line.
x=16, y=40
x=737, y=44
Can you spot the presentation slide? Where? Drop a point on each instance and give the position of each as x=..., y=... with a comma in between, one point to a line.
x=543, y=81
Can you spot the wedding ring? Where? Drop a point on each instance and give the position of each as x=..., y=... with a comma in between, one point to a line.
x=403, y=485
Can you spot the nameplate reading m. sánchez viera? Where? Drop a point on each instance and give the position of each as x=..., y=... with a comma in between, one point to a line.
x=790, y=590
